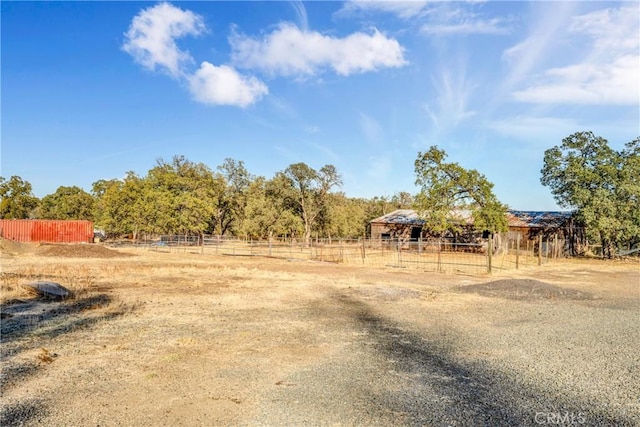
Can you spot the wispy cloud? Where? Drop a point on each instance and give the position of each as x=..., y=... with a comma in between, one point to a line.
x=301, y=14
x=468, y=25
x=151, y=41
x=151, y=38
x=537, y=129
x=402, y=9
x=372, y=130
x=453, y=90
x=607, y=75
x=435, y=18
x=447, y=19
x=290, y=51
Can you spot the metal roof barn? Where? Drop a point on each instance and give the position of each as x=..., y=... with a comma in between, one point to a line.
x=52, y=231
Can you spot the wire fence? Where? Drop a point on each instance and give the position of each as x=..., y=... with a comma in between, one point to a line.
x=427, y=255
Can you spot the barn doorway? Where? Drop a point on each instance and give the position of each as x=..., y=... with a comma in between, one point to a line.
x=415, y=233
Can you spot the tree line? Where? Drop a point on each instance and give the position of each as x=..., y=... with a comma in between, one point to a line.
x=585, y=175
x=183, y=197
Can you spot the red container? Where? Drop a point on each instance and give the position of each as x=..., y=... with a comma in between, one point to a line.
x=43, y=230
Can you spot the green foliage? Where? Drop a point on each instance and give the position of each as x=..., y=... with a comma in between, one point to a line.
x=16, y=199
x=233, y=201
x=266, y=216
x=68, y=203
x=601, y=184
x=448, y=187
x=305, y=192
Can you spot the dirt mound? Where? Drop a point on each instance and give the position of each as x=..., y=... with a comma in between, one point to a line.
x=78, y=251
x=10, y=247
x=524, y=290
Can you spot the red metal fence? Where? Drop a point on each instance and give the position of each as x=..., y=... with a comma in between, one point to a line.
x=39, y=230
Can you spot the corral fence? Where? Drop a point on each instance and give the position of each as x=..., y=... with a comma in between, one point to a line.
x=441, y=255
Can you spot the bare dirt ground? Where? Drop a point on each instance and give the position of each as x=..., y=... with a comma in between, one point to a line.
x=166, y=339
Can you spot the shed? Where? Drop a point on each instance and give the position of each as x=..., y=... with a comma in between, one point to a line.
x=51, y=231
x=530, y=224
x=401, y=223
x=405, y=223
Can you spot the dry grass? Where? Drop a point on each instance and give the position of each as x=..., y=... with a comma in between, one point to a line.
x=185, y=339
x=80, y=280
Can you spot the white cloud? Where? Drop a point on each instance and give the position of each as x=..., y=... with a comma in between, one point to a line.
x=608, y=73
x=615, y=83
x=152, y=34
x=289, y=51
x=151, y=40
x=225, y=86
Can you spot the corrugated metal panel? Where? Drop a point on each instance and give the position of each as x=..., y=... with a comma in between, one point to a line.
x=535, y=219
x=55, y=231
x=400, y=216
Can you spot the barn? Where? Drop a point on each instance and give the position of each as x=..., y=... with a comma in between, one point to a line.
x=529, y=225
x=405, y=224
x=399, y=224
x=50, y=231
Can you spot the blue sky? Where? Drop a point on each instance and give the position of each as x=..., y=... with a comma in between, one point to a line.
x=91, y=90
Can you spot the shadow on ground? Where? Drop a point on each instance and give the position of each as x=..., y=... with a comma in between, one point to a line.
x=439, y=390
x=46, y=319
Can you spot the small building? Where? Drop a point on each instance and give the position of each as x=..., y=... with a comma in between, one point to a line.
x=406, y=224
x=50, y=231
x=399, y=224
x=531, y=224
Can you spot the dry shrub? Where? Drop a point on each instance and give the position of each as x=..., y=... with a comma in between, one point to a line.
x=45, y=356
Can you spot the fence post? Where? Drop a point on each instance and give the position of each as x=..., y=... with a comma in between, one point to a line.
x=540, y=250
x=489, y=253
x=439, y=265
x=517, y=251
x=364, y=240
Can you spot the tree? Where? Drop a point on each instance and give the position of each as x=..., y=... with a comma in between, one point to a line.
x=186, y=196
x=447, y=187
x=231, y=208
x=124, y=205
x=68, y=203
x=402, y=200
x=306, y=190
x=266, y=212
x=599, y=183
x=16, y=198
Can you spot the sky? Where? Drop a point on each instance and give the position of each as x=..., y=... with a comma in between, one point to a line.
x=92, y=90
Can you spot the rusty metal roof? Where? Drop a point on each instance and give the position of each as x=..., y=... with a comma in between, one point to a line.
x=528, y=219
x=537, y=219
x=400, y=216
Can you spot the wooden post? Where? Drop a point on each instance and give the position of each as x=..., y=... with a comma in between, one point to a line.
x=540, y=250
x=364, y=241
x=489, y=253
x=439, y=265
x=517, y=251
